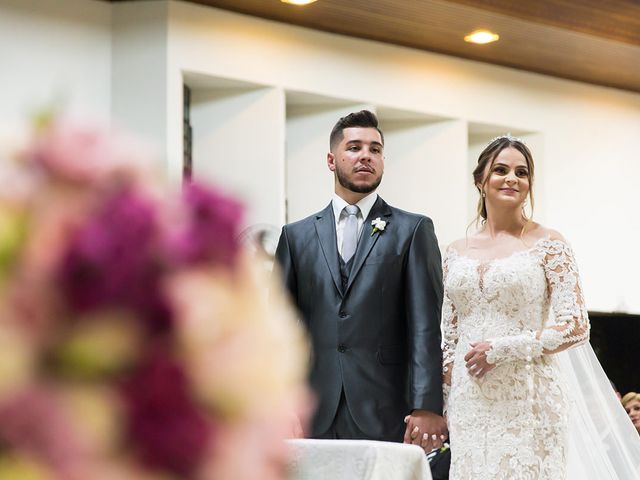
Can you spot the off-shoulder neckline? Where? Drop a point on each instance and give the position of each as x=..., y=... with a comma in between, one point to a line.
x=536, y=244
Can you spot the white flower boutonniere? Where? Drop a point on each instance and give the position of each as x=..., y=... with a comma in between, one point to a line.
x=378, y=225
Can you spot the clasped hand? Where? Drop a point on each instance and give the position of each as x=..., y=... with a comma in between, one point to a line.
x=425, y=429
x=476, y=359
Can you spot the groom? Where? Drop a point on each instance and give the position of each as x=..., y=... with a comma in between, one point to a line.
x=367, y=280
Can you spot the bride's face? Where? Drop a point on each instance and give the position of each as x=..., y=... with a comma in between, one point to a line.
x=633, y=410
x=508, y=179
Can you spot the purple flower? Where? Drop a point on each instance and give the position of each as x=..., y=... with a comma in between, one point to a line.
x=166, y=429
x=113, y=260
x=210, y=232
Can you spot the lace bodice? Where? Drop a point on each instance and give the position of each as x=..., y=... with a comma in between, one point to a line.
x=508, y=301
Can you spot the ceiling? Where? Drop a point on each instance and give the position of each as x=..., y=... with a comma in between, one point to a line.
x=593, y=41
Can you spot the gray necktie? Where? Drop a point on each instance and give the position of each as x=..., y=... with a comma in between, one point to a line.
x=350, y=232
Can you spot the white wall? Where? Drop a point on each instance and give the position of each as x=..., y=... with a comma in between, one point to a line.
x=584, y=137
x=234, y=147
x=138, y=77
x=425, y=162
x=54, y=53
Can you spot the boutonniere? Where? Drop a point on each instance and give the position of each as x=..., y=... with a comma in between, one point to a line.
x=378, y=225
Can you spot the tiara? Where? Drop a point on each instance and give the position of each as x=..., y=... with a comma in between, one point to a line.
x=508, y=136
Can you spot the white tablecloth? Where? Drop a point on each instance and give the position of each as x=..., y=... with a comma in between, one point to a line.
x=357, y=460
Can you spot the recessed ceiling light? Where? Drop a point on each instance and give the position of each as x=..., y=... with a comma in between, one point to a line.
x=298, y=2
x=481, y=36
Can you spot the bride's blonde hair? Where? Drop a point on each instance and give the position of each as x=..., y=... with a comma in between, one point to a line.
x=630, y=397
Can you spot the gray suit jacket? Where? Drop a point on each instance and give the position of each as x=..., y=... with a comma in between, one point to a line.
x=379, y=339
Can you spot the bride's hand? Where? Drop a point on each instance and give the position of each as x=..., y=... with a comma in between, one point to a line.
x=476, y=359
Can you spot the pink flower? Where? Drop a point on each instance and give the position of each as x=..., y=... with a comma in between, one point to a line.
x=34, y=421
x=84, y=153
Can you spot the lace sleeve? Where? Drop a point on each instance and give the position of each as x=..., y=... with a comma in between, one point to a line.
x=571, y=319
x=449, y=327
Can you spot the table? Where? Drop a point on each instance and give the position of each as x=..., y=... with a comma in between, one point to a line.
x=356, y=460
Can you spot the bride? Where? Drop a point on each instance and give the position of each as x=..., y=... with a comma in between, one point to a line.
x=518, y=408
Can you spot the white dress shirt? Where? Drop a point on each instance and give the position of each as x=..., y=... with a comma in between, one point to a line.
x=365, y=205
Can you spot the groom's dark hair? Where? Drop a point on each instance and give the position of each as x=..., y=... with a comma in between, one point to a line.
x=363, y=119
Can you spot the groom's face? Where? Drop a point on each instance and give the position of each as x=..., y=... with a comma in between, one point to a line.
x=358, y=160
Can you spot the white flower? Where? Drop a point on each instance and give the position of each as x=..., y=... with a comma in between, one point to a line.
x=378, y=225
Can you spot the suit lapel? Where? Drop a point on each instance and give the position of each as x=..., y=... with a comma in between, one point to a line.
x=326, y=230
x=367, y=241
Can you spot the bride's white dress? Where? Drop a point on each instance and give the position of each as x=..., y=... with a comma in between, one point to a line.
x=512, y=424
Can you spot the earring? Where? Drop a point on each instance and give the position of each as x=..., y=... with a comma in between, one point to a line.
x=483, y=194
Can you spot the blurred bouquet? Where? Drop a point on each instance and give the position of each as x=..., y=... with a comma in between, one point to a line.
x=138, y=341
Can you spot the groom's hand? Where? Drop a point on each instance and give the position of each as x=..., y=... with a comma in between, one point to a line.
x=426, y=429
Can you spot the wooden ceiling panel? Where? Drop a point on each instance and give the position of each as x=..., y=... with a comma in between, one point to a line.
x=617, y=20
x=592, y=41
